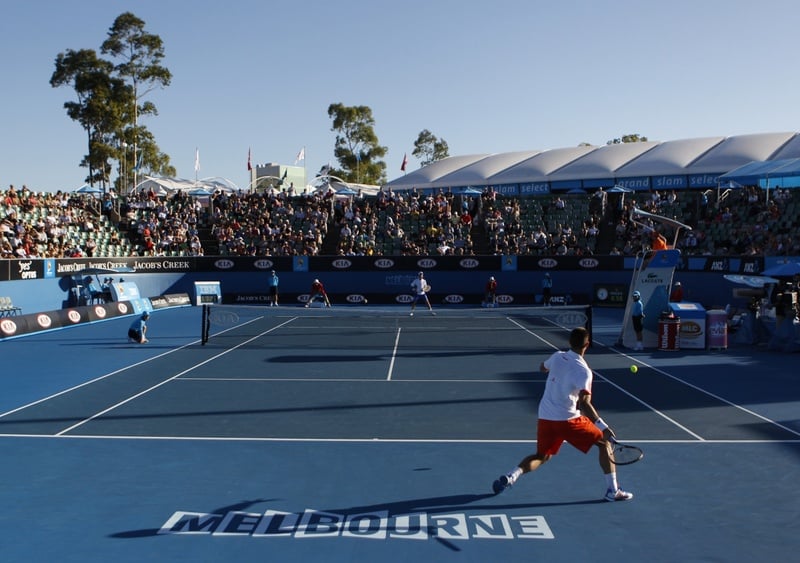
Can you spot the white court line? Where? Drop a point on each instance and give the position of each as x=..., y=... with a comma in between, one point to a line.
x=95, y=380
x=394, y=354
x=634, y=397
x=709, y=393
x=356, y=380
x=371, y=440
x=157, y=385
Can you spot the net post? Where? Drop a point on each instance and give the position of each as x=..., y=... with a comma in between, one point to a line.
x=204, y=320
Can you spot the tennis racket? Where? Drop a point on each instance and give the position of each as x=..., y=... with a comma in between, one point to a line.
x=624, y=454
x=426, y=289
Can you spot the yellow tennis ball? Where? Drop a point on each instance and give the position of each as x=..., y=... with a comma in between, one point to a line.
x=634, y=368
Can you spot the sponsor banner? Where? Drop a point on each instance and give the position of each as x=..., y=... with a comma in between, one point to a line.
x=580, y=263
x=717, y=264
x=506, y=189
x=539, y=188
x=74, y=266
x=751, y=265
x=636, y=184
x=403, y=263
x=170, y=300
x=242, y=264
x=164, y=265
x=26, y=269
x=5, y=269
x=669, y=182
x=703, y=181
x=36, y=322
x=251, y=298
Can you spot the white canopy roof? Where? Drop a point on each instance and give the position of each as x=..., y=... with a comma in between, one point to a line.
x=608, y=163
x=165, y=186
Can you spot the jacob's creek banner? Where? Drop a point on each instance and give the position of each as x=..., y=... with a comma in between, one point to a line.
x=30, y=269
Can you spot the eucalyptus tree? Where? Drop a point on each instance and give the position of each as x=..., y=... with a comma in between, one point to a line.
x=357, y=148
x=428, y=148
x=139, y=56
x=98, y=107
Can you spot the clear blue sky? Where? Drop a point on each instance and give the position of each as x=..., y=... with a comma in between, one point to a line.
x=487, y=77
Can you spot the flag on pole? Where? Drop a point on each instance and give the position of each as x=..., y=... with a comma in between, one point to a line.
x=301, y=155
x=138, y=165
x=249, y=166
x=405, y=163
x=196, y=159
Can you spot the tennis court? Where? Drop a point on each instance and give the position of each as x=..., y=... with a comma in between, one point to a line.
x=364, y=433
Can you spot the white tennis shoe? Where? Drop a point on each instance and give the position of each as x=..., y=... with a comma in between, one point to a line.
x=619, y=494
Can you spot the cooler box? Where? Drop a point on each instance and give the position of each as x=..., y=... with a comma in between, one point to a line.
x=693, y=324
x=717, y=323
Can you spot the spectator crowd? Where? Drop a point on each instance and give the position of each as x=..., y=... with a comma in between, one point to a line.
x=746, y=221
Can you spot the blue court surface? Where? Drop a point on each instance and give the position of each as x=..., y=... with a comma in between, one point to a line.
x=358, y=434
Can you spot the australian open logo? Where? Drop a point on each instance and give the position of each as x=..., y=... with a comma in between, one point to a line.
x=223, y=264
x=44, y=321
x=547, y=263
x=384, y=263
x=588, y=263
x=342, y=264
x=404, y=298
x=263, y=264
x=426, y=263
x=454, y=299
x=469, y=263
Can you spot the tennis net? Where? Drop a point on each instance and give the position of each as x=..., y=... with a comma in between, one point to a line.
x=247, y=320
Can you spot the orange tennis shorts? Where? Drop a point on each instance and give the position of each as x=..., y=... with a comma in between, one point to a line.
x=580, y=432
